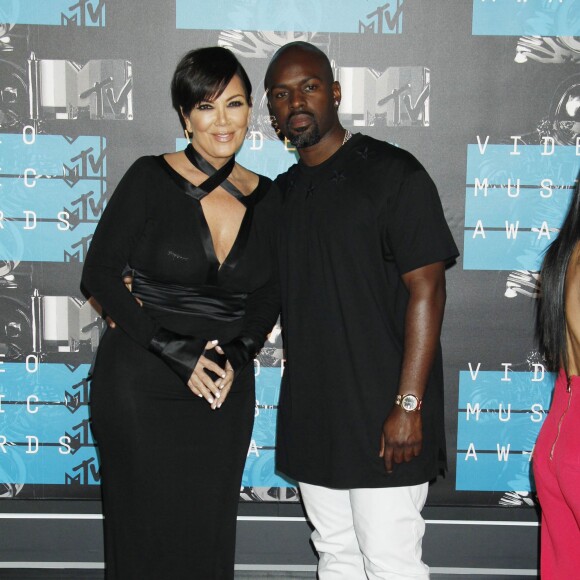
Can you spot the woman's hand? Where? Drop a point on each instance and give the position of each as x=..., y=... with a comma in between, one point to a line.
x=201, y=384
x=225, y=386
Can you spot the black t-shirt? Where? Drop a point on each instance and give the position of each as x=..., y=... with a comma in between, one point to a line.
x=351, y=226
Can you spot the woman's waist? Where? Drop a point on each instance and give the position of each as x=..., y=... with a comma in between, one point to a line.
x=196, y=325
x=204, y=301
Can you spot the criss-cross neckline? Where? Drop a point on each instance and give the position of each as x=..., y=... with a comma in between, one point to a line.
x=216, y=178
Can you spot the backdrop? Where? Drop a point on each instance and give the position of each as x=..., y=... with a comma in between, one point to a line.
x=486, y=93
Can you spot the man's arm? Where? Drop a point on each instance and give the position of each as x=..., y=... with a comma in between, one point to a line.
x=402, y=435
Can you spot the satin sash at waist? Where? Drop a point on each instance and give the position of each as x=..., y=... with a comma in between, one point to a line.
x=208, y=301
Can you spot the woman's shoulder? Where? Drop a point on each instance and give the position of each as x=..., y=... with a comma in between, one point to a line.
x=142, y=179
x=253, y=183
x=248, y=181
x=144, y=166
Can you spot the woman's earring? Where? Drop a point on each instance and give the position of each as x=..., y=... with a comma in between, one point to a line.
x=336, y=103
x=187, y=136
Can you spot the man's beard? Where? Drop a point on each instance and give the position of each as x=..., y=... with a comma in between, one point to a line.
x=307, y=138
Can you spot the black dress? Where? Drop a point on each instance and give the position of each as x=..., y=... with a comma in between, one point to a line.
x=170, y=465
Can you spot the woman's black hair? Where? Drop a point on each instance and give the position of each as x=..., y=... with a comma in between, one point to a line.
x=551, y=313
x=202, y=75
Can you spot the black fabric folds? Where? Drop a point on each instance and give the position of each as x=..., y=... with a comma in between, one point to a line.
x=181, y=353
x=240, y=352
x=208, y=301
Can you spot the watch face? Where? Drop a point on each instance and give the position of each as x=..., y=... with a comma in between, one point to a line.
x=409, y=403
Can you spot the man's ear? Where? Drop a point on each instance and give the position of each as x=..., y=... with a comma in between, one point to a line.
x=336, y=91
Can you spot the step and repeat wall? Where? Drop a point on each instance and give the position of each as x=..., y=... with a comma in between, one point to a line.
x=486, y=93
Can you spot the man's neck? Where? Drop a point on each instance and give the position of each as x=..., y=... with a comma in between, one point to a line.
x=328, y=145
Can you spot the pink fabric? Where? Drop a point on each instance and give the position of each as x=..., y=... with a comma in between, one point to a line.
x=558, y=483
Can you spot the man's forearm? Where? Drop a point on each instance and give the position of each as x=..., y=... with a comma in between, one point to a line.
x=423, y=321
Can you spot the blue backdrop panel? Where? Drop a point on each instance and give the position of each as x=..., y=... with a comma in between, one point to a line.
x=499, y=417
x=530, y=17
x=45, y=435
x=306, y=16
x=55, y=12
x=515, y=200
x=260, y=469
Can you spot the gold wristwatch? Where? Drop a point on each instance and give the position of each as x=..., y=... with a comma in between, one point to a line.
x=409, y=403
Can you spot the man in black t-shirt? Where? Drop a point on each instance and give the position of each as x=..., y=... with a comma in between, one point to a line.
x=364, y=244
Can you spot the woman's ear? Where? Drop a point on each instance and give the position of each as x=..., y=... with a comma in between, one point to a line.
x=186, y=121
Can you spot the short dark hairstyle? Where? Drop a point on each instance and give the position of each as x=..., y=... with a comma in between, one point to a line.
x=202, y=75
x=305, y=46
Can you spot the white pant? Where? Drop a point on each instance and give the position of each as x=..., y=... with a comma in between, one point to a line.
x=369, y=533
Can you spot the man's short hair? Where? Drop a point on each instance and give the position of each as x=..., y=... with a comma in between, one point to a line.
x=306, y=47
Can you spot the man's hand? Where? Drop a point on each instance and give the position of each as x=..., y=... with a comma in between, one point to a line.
x=128, y=281
x=402, y=437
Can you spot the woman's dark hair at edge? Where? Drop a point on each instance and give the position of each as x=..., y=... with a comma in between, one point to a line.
x=202, y=75
x=551, y=315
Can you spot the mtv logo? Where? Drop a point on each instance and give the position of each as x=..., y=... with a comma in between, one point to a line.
x=85, y=13
x=384, y=19
x=79, y=255
x=87, y=473
x=72, y=401
x=398, y=97
x=73, y=480
x=100, y=89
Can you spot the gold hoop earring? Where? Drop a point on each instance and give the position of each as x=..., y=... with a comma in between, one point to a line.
x=187, y=136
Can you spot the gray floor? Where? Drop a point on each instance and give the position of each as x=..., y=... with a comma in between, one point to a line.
x=274, y=575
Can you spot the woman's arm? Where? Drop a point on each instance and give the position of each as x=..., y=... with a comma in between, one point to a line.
x=120, y=229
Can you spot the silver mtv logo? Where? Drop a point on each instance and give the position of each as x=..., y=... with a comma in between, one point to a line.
x=397, y=97
x=100, y=89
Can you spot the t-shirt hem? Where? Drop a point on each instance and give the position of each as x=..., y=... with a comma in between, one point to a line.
x=369, y=482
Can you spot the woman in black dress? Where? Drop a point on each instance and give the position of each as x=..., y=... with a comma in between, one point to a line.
x=198, y=232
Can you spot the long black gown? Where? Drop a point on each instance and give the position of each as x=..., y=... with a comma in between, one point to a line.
x=170, y=465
